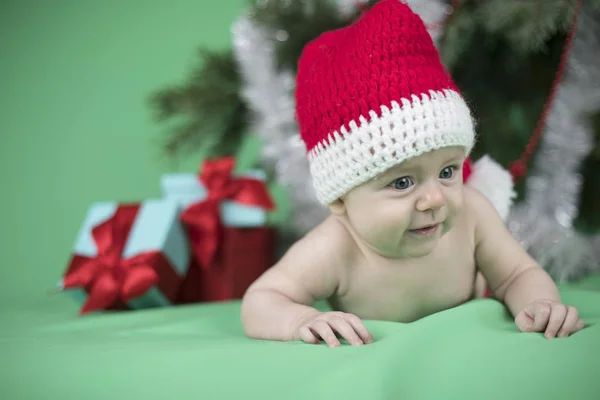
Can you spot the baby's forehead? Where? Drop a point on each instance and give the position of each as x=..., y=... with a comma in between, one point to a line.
x=433, y=158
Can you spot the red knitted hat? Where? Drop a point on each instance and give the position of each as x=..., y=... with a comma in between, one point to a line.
x=373, y=94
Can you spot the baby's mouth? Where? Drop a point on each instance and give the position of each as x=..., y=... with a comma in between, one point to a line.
x=426, y=230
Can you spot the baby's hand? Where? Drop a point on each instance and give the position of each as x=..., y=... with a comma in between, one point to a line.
x=326, y=325
x=556, y=319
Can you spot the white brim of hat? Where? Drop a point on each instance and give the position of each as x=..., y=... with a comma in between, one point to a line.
x=354, y=155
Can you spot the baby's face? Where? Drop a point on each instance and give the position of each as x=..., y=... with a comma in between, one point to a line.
x=406, y=210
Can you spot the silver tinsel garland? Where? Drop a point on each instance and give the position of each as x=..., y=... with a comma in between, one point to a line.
x=269, y=93
x=544, y=221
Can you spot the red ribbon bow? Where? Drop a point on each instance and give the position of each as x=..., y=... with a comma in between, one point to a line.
x=202, y=219
x=107, y=277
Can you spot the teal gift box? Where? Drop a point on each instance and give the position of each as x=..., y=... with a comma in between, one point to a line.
x=128, y=256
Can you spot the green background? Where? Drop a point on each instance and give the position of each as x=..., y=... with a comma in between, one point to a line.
x=76, y=126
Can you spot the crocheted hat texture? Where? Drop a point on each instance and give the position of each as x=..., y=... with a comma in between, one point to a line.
x=374, y=94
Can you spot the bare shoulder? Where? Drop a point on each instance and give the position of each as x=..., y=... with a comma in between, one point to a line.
x=481, y=213
x=313, y=267
x=475, y=200
x=498, y=253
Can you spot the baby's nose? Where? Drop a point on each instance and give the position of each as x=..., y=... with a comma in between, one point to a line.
x=431, y=198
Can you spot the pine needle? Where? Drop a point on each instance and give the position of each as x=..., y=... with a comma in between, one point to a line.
x=297, y=22
x=212, y=112
x=459, y=33
x=528, y=25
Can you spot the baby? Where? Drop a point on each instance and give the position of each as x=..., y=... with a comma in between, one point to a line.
x=387, y=134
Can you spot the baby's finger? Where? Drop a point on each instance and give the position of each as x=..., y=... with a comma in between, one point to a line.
x=323, y=329
x=360, y=328
x=306, y=335
x=524, y=321
x=541, y=315
x=570, y=321
x=557, y=317
x=579, y=325
x=345, y=330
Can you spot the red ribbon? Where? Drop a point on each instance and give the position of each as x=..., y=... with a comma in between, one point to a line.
x=202, y=219
x=107, y=277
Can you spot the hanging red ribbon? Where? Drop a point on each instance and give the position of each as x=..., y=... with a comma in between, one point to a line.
x=107, y=277
x=518, y=168
x=202, y=219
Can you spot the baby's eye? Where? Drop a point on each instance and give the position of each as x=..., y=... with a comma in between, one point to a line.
x=402, y=183
x=447, y=173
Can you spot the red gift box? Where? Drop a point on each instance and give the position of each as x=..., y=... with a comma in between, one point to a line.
x=245, y=253
x=225, y=259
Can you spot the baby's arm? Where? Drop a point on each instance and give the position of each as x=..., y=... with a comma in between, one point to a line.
x=514, y=277
x=277, y=306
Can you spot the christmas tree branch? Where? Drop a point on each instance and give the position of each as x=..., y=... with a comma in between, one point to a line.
x=295, y=23
x=528, y=25
x=588, y=219
x=459, y=33
x=595, y=120
x=209, y=103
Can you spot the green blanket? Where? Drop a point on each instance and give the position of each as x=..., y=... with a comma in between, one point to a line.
x=200, y=352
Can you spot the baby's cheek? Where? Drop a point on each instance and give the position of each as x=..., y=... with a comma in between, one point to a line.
x=390, y=226
x=449, y=224
x=455, y=206
x=455, y=203
x=375, y=224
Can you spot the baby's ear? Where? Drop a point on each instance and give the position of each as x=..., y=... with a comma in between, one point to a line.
x=337, y=207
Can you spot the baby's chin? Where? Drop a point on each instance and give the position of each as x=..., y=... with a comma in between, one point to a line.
x=420, y=252
x=417, y=246
x=410, y=244
x=406, y=250
x=421, y=247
